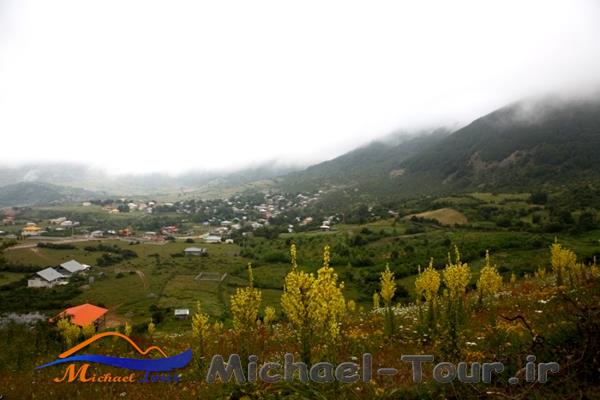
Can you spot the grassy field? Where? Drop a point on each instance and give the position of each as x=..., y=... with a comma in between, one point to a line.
x=9, y=277
x=445, y=216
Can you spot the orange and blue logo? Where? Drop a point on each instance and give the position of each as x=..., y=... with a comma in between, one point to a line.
x=153, y=368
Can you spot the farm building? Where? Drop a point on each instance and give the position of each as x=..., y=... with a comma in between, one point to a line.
x=195, y=251
x=72, y=267
x=182, y=313
x=48, y=277
x=211, y=239
x=83, y=315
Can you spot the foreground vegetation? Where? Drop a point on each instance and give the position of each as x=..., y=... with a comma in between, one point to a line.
x=552, y=314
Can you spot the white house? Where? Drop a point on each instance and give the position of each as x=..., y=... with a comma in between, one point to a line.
x=182, y=313
x=194, y=251
x=211, y=239
x=48, y=277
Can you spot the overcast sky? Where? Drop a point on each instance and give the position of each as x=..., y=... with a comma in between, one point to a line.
x=140, y=86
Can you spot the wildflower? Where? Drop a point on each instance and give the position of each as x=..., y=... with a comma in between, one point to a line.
x=388, y=285
x=376, y=299
x=563, y=261
x=326, y=305
x=351, y=306
x=270, y=315
x=294, y=299
x=456, y=275
x=200, y=326
x=427, y=283
x=313, y=305
x=218, y=327
x=245, y=304
x=293, y=256
x=490, y=280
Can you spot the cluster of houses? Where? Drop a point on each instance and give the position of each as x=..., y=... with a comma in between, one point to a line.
x=60, y=224
x=50, y=277
x=131, y=207
x=64, y=222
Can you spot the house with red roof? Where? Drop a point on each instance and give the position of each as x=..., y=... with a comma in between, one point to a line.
x=83, y=315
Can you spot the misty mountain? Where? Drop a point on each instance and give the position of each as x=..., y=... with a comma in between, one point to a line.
x=92, y=179
x=367, y=167
x=38, y=193
x=522, y=146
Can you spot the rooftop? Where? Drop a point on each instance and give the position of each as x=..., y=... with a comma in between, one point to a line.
x=50, y=274
x=73, y=266
x=84, y=314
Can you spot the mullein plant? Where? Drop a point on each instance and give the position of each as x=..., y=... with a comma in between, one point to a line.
x=269, y=317
x=563, y=262
x=245, y=303
x=200, y=328
x=314, y=305
x=244, y=306
x=327, y=305
x=295, y=302
x=427, y=286
x=490, y=280
x=456, y=278
x=388, y=289
x=376, y=301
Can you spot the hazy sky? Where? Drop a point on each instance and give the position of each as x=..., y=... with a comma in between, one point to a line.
x=140, y=86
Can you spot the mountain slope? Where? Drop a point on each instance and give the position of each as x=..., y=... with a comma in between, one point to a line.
x=37, y=193
x=520, y=146
x=369, y=168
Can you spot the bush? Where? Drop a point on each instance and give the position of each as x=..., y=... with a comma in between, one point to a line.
x=275, y=256
x=55, y=246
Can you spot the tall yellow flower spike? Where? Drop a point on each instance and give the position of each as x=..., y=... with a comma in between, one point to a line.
x=428, y=282
x=326, y=305
x=245, y=304
x=388, y=285
x=456, y=275
x=563, y=262
x=490, y=280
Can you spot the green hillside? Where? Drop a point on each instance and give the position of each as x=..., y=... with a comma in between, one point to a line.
x=520, y=147
x=36, y=193
x=371, y=167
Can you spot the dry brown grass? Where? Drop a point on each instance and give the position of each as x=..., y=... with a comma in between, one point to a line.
x=445, y=216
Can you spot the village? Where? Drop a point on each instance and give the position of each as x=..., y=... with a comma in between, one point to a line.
x=98, y=241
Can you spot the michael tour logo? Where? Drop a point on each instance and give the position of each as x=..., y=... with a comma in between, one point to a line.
x=152, y=369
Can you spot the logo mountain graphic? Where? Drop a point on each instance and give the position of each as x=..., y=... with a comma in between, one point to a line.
x=154, y=365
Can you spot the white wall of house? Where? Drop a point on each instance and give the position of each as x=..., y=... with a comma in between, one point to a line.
x=39, y=283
